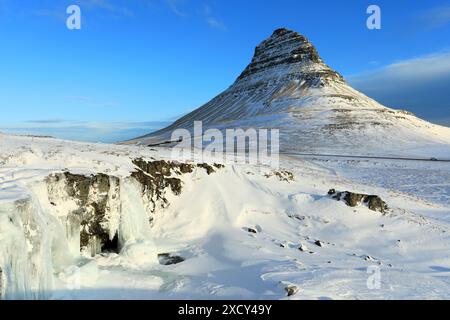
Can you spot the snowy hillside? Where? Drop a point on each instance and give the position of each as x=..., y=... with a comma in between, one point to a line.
x=96, y=221
x=288, y=87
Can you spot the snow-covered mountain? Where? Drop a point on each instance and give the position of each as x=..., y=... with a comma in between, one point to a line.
x=97, y=221
x=287, y=86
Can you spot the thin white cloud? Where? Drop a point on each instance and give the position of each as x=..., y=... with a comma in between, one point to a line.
x=436, y=17
x=92, y=102
x=421, y=85
x=115, y=9
x=59, y=15
x=214, y=23
x=84, y=130
x=107, y=5
x=175, y=7
x=211, y=20
x=424, y=68
x=47, y=121
x=204, y=12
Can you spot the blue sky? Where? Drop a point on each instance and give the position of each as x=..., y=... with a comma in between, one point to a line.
x=136, y=65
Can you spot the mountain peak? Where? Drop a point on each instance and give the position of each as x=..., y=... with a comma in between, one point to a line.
x=282, y=31
x=295, y=44
x=287, y=48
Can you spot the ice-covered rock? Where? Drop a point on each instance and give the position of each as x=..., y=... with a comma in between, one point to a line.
x=67, y=216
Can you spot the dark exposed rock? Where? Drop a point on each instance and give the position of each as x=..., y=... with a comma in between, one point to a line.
x=161, y=167
x=1, y=282
x=209, y=169
x=291, y=290
x=185, y=168
x=96, y=196
x=156, y=176
x=302, y=248
x=169, y=259
x=111, y=245
x=91, y=193
x=218, y=165
x=319, y=243
x=251, y=230
x=375, y=203
x=286, y=47
x=283, y=175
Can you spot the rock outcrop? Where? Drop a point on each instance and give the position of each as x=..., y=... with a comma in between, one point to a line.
x=90, y=205
x=284, y=48
x=156, y=177
x=373, y=202
x=96, y=199
x=291, y=290
x=167, y=259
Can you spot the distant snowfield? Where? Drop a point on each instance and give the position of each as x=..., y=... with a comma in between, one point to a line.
x=208, y=225
x=429, y=181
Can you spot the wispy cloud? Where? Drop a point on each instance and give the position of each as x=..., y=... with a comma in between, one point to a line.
x=56, y=14
x=205, y=12
x=436, y=17
x=211, y=20
x=426, y=67
x=214, y=23
x=46, y=121
x=116, y=8
x=92, y=102
x=175, y=7
x=113, y=7
x=420, y=84
x=85, y=130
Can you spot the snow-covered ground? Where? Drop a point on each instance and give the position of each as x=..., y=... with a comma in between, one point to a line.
x=208, y=225
x=427, y=180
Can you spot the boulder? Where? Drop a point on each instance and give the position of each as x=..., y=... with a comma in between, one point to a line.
x=251, y=230
x=169, y=259
x=352, y=199
x=319, y=243
x=291, y=290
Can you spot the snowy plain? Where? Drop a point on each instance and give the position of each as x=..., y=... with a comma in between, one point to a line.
x=208, y=225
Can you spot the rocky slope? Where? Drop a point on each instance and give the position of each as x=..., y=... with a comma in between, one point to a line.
x=288, y=87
